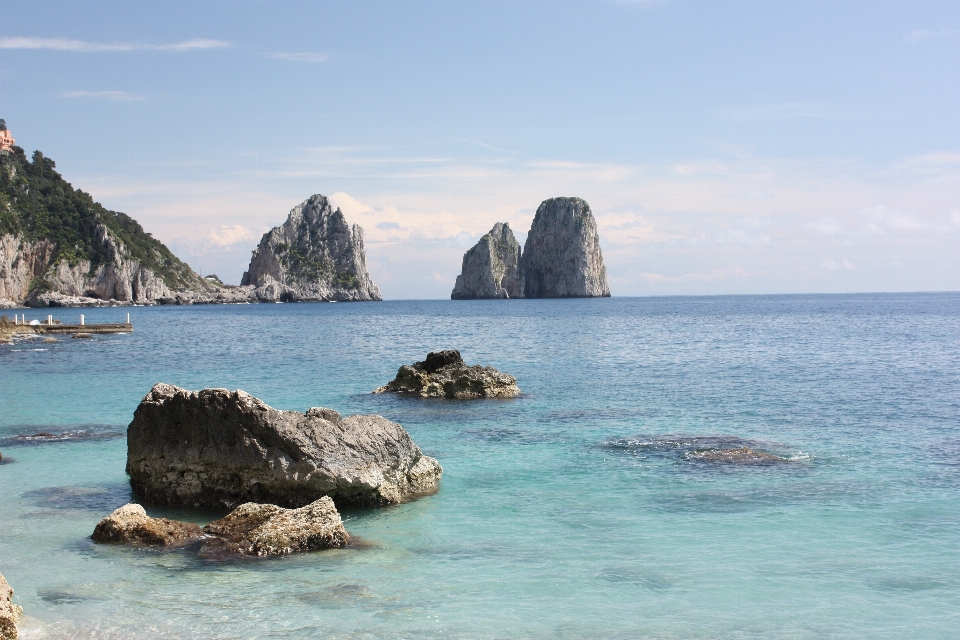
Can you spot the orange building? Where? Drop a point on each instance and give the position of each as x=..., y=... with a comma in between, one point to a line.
x=6, y=140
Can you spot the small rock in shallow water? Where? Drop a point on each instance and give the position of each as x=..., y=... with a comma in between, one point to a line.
x=50, y=340
x=130, y=524
x=9, y=612
x=266, y=530
x=82, y=336
x=444, y=374
x=741, y=455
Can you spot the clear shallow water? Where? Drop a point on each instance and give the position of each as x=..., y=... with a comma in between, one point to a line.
x=573, y=511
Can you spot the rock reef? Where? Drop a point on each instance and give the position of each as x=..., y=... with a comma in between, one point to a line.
x=268, y=530
x=740, y=455
x=9, y=612
x=221, y=448
x=444, y=374
x=313, y=256
x=491, y=269
x=130, y=524
x=561, y=257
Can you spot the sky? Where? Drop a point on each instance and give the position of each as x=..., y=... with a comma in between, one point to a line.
x=724, y=147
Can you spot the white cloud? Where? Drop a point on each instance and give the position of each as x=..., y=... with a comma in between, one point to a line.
x=112, y=96
x=82, y=46
x=918, y=35
x=300, y=56
x=833, y=266
x=227, y=235
x=955, y=217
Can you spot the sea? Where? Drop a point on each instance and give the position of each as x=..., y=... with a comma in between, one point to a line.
x=581, y=509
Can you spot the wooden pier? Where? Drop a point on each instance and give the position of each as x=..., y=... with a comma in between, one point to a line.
x=58, y=327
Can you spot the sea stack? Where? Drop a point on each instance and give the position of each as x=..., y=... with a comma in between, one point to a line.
x=561, y=258
x=491, y=269
x=314, y=256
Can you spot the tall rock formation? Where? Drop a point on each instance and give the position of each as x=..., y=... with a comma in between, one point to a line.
x=55, y=241
x=313, y=256
x=561, y=258
x=491, y=269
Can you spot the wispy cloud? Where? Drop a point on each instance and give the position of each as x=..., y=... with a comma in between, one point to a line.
x=918, y=35
x=82, y=46
x=300, y=56
x=112, y=96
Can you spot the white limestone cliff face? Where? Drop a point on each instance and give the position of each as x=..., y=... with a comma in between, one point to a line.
x=120, y=278
x=491, y=269
x=561, y=257
x=313, y=256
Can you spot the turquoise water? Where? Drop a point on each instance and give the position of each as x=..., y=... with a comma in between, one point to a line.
x=570, y=512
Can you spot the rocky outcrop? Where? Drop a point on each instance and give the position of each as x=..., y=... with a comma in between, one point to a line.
x=740, y=455
x=130, y=524
x=222, y=448
x=561, y=257
x=444, y=374
x=268, y=530
x=313, y=256
x=491, y=269
x=9, y=612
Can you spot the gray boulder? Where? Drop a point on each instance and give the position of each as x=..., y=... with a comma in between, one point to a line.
x=313, y=256
x=444, y=374
x=561, y=258
x=9, y=612
x=221, y=448
x=491, y=269
x=740, y=455
x=268, y=530
x=130, y=524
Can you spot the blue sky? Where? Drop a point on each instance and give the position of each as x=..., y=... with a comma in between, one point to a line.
x=725, y=147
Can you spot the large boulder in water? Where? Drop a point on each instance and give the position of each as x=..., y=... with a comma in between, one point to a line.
x=9, y=612
x=313, y=256
x=221, y=448
x=562, y=258
x=268, y=530
x=130, y=524
x=444, y=374
x=491, y=269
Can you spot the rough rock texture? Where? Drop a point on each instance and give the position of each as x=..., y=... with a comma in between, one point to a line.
x=130, y=524
x=444, y=374
x=222, y=448
x=491, y=269
x=561, y=257
x=9, y=612
x=313, y=256
x=740, y=455
x=266, y=530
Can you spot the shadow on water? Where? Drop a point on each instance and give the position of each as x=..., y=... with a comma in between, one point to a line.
x=101, y=499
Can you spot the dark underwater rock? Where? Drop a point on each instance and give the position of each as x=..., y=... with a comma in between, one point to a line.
x=740, y=455
x=444, y=374
x=221, y=448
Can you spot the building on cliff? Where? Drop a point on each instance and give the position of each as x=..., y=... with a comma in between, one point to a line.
x=6, y=138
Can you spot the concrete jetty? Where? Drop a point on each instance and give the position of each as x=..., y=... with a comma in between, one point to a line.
x=55, y=326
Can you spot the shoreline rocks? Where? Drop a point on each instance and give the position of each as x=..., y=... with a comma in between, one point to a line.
x=10, y=613
x=314, y=256
x=740, y=455
x=444, y=374
x=130, y=524
x=267, y=530
x=220, y=448
x=491, y=269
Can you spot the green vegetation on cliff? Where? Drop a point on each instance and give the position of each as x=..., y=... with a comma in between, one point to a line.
x=37, y=204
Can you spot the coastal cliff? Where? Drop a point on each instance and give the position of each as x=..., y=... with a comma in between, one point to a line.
x=491, y=269
x=313, y=256
x=561, y=257
x=58, y=246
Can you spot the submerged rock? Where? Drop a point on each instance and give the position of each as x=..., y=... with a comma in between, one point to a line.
x=491, y=269
x=313, y=256
x=444, y=374
x=222, y=448
x=561, y=257
x=9, y=613
x=740, y=455
x=266, y=530
x=130, y=524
